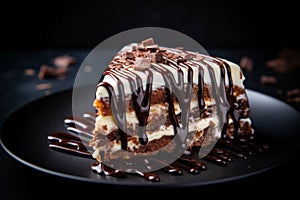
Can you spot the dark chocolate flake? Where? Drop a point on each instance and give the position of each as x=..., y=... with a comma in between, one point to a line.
x=158, y=57
x=148, y=42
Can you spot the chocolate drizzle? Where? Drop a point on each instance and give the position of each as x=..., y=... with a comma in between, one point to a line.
x=141, y=102
x=183, y=94
x=119, y=111
x=241, y=147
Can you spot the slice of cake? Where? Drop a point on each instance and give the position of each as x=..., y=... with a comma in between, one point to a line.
x=154, y=99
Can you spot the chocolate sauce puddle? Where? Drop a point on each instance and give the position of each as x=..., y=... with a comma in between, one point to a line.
x=71, y=143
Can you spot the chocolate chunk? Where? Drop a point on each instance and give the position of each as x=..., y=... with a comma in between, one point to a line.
x=46, y=72
x=51, y=72
x=152, y=48
x=142, y=63
x=246, y=64
x=158, y=57
x=268, y=80
x=64, y=61
x=148, y=42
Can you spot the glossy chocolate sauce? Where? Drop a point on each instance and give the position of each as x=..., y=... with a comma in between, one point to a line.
x=240, y=147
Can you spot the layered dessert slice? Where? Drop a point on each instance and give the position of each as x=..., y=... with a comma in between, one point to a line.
x=153, y=99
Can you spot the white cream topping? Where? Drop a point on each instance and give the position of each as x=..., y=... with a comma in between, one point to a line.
x=237, y=76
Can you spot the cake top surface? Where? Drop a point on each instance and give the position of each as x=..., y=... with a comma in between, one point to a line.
x=137, y=60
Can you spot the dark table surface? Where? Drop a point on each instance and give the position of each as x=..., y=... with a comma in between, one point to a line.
x=18, y=181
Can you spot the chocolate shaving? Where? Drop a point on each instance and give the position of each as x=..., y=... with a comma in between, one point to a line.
x=158, y=57
x=148, y=42
x=142, y=63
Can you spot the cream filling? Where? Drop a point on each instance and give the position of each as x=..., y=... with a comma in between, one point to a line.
x=110, y=124
x=165, y=131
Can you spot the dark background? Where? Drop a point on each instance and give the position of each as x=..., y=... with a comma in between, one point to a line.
x=32, y=33
x=85, y=23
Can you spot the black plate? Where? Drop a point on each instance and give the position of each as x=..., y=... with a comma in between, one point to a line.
x=24, y=134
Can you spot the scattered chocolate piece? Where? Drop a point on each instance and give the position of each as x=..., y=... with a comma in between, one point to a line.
x=142, y=63
x=246, y=64
x=63, y=61
x=268, y=80
x=293, y=95
x=29, y=72
x=46, y=72
x=43, y=86
x=51, y=72
x=287, y=61
x=279, y=65
x=158, y=57
x=293, y=99
x=148, y=42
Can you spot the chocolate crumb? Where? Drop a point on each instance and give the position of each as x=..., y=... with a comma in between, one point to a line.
x=29, y=72
x=246, y=63
x=268, y=80
x=43, y=86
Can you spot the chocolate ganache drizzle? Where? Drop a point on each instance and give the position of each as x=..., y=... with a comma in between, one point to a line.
x=166, y=61
x=221, y=154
